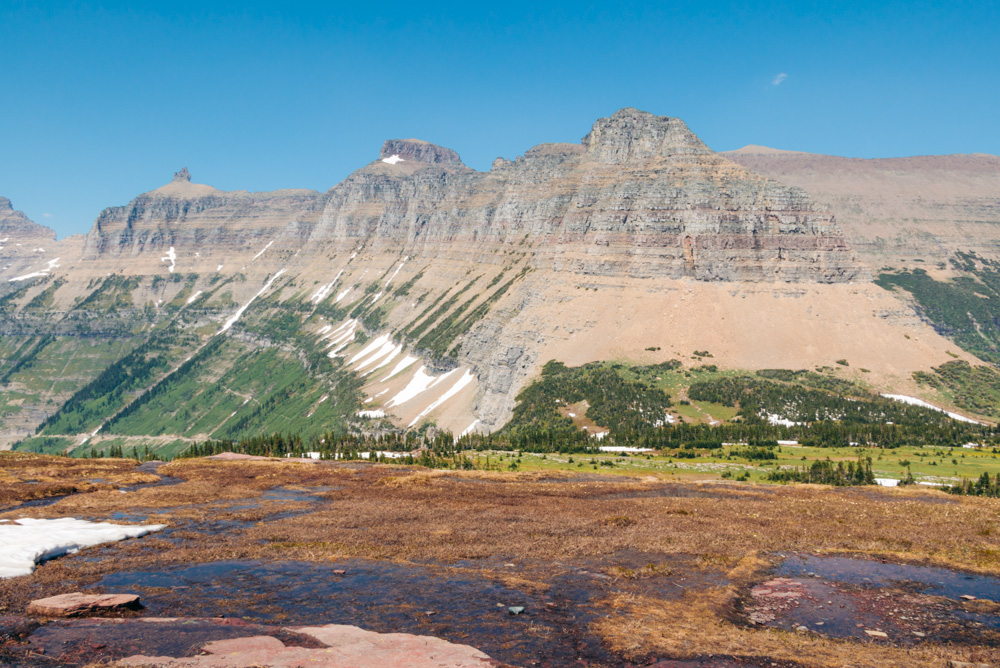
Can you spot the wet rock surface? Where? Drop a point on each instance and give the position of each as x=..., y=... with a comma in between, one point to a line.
x=77, y=604
x=870, y=600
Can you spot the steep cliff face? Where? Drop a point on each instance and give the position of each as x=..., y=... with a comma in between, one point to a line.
x=896, y=211
x=199, y=219
x=641, y=197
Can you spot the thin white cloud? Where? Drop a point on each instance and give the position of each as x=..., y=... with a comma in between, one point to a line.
x=46, y=215
x=779, y=79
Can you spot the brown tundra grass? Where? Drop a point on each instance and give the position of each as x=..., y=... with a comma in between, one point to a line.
x=547, y=521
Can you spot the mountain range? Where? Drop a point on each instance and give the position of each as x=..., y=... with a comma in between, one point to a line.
x=420, y=293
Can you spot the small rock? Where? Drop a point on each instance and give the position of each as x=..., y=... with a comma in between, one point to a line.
x=339, y=571
x=967, y=597
x=876, y=634
x=919, y=634
x=98, y=646
x=515, y=609
x=77, y=603
x=819, y=623
x=859, y=625
x=430, y=612
x=801, y=629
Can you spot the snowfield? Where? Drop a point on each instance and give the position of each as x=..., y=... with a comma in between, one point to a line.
x=27, y=542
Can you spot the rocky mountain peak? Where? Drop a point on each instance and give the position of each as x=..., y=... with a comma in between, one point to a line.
x=631, y=134
x=183, y=175
x=15, y=222
x=416, y=150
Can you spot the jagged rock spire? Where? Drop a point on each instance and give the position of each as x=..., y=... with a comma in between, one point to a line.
x=183, y=175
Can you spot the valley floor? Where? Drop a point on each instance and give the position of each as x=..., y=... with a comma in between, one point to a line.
x=609, y=569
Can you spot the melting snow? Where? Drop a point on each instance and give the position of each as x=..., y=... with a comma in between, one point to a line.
x=262, y=250
x=462, y=382
x=375, y=298
x=193, y=297
x=324, y=329
x=219, y=268
x=386, y=348
x=389, y=358
x=393, y=159
x=50, y=265
x=236, y=316
x=342, y=295
x=405, y=362
x=620, y=448
x=469, y=429
x=420, y=382
x=170, y=257
x=27, y=542
x=372, y=414
x=913, y=401
x=887, y=482
x=384, y=454
x=778, y=420
x=324, y=290
x=397, y=270
x=370, y=348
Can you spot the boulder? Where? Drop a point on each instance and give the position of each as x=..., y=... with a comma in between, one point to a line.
x=78, y=604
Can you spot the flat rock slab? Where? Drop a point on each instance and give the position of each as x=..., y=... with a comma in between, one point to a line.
x=78, y=604
x=343, y=646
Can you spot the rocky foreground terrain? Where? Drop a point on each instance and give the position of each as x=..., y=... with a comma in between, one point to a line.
x=420, y=292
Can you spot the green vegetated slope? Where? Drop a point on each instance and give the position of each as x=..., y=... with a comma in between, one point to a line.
x=974, y=388
x=631, y=402
x=966, y=308
x=184, y=381
x=235, y=391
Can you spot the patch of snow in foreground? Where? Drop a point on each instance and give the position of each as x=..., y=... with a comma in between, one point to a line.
x=459, y=385
x=27, y=541
x=170, y=257
x=913, y=401
x=887, y=482
x=622, y=448
x=392, y=159
x=193, y=297
x=236, y=316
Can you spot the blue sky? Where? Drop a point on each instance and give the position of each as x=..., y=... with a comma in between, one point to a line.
x=102, y=101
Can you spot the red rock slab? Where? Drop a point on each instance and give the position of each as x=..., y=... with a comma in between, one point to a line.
x=77, y=604
x=347, y=647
